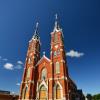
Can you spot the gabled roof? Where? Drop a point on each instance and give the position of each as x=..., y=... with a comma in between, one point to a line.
x=44, y=57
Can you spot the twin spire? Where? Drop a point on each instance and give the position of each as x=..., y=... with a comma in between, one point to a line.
x=36, y=32
x=56, y=28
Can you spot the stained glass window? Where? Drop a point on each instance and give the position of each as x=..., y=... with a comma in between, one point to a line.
x=28, y=73
x=57, y=67
x=44, y=74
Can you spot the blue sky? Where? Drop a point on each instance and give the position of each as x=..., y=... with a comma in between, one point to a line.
x=80, y=21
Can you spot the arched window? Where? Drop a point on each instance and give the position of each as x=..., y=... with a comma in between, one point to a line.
x=43, y=93
x=28, y=72
x=24, y=92
x=44, y=74
x=29, y=60
x=57, y=64
x=55, y=53
x=55, y=37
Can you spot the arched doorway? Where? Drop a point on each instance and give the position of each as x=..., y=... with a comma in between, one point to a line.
x=43, y=93
x=57, y=92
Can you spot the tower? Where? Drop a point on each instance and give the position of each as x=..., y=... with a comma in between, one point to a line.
x=47, y=78
x=58, y=58
x=27, y=90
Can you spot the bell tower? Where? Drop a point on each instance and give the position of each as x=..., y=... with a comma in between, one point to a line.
x=58, y=58
x=27, y=89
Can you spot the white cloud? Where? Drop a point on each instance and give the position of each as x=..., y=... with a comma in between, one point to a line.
x=19, y=62
x=9, y=66
x=13, y=93
x=73, y=53
x=18, y=84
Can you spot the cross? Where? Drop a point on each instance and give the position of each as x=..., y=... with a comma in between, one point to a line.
x=56, y=16
x=37, y=24
x=44, y=53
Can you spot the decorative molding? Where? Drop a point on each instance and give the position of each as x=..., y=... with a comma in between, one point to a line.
x=63, y=77
x=61, y=49
x=62, y=61
x=61, y=44
x=30, y=81
x=44, y=57
x=43, y=83
x=51, y=63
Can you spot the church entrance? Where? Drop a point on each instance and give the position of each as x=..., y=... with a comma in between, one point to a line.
x=57, y=92
x=43, y=93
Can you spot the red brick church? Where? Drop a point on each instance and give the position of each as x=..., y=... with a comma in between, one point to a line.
x=48, y=78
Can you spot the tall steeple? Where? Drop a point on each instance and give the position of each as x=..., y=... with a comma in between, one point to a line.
x=36, y=32
x=56, y=26
x=27, y=90
x=58, y=54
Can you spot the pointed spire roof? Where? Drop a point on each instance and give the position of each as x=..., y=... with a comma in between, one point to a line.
x=56, y=26
x=36, y=32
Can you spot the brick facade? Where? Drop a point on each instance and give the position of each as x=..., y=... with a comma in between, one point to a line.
x=44, y=78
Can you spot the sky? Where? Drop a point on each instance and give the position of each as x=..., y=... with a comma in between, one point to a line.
x=80, y=21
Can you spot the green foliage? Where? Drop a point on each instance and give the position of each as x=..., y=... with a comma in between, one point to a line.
x=89, y=96
x=93, y=97
x=96, y=97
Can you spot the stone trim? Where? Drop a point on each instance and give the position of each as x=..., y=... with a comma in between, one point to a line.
x=63, y=77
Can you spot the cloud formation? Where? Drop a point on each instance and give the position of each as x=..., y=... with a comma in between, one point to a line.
x=73, y=53
x=9, y=66
x=20, y=62
x=18, y=84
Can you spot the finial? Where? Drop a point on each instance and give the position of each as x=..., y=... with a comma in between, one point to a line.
x=44, y=53
x=37, y=24
x=56, y=27
x=56, y=17
x=36, y=33
x=36, y=29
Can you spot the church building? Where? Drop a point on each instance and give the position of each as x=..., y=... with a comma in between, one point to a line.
x=48, y=78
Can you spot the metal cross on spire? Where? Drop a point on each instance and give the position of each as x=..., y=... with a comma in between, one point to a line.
x=44, y=53
x=56, y=17
x=36, y=29
x=56, y=23
x=36, y=33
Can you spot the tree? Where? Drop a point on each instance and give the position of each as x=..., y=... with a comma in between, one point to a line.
x=96, y=97
x=89, y=97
